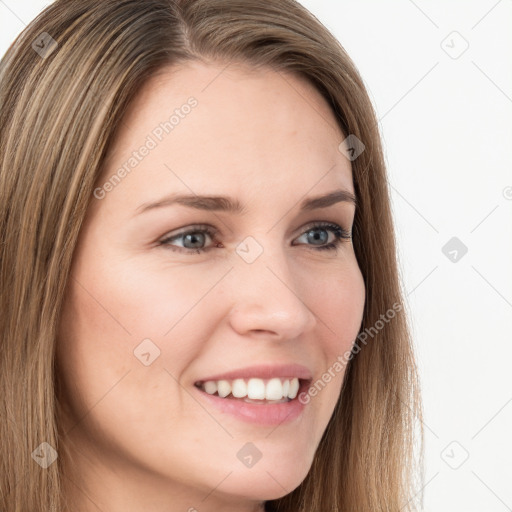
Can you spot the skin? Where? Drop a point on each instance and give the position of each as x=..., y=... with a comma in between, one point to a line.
x=139, y=437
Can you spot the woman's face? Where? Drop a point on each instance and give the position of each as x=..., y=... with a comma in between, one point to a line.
x=165, y=294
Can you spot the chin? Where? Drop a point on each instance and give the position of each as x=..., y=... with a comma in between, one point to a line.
x=266, y=482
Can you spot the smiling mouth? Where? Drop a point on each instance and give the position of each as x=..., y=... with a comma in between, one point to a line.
x=255, y=390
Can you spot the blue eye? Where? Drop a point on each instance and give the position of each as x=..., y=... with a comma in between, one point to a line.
x=194, y=236
x=340, y=234
x=194, y=239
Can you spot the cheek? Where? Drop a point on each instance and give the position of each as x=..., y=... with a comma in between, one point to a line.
x=112, y=308
x=106, y=315
x=336, y=298
x=338, y=304
x=150, y=298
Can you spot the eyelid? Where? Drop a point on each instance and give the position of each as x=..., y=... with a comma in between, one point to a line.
x=341, y=234
x=210, y=230
x=346, y=233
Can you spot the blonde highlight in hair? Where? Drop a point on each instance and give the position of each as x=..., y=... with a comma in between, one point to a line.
x=60, y=114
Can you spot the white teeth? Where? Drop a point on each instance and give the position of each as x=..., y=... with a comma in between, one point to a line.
x=210, y=387
x=255, y=389
x=286, y=387
x=274, y=389
x=239, y=388
x=294, y=388
x=224, y=388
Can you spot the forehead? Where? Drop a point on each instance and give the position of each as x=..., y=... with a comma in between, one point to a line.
x=229, y=125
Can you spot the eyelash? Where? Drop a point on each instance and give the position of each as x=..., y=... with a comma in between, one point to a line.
x=340, y=234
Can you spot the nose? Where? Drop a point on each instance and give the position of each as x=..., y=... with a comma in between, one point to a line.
x=268, y=299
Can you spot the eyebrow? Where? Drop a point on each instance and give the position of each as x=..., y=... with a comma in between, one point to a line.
x=226, y=204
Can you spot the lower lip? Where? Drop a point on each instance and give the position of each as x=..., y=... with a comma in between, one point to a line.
x=260, y=414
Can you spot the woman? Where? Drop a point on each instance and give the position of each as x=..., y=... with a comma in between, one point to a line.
x=200, y=299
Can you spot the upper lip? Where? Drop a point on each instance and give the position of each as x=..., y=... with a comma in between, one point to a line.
x=264, y=372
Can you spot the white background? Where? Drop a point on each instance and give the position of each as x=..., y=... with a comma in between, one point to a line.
x=445, y=119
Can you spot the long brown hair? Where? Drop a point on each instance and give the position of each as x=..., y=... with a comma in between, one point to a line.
x=65, y=83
